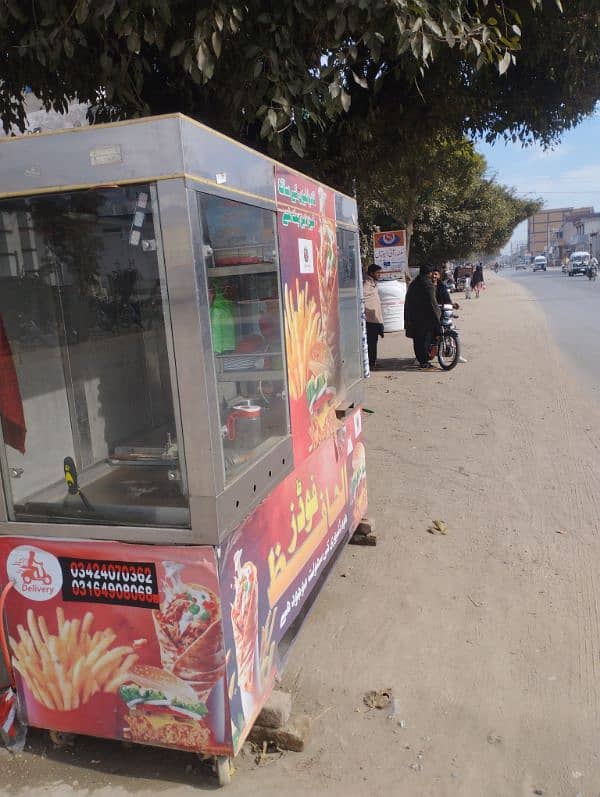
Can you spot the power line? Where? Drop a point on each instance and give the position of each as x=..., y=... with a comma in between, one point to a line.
x=577, y=193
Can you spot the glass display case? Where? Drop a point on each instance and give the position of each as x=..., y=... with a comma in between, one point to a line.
x=154, y=278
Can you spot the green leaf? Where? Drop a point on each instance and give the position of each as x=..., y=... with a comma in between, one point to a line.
x=107, y=8
x=106, y=63
x=504, y=63
x=516, y=29
x=266, y=128
x=272, y=117
x=134, y=43
x=177, y=48
x=164, y=11
x=360, y=80
x=432, y=25
x=216, y=43
x=426, y=47
x=352, y=18
x=297, y=145
x=346, y=100
x=219, y=20
x=149, y=33
x=210, y=69
x=202, y=57
x=82, y=11
x=68, y=48
x=334, y=89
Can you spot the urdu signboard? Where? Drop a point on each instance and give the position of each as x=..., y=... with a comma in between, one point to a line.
x=389, y=250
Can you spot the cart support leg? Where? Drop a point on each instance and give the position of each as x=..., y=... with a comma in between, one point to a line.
x=223, y=767
x=364, y=534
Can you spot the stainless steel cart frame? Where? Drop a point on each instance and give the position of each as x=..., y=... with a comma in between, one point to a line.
x=178, y=159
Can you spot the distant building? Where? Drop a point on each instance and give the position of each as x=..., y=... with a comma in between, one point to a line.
x=542, y=228
x=579, y=232
x=587, y=231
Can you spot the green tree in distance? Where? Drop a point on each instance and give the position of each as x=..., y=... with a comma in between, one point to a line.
x=464, y=212
x=438, y=191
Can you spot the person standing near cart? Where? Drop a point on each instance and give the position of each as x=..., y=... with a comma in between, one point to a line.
x=373, y=312
x=422, y=315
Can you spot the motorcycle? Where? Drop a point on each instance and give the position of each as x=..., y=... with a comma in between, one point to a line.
x=592, y=272
x=448, y=344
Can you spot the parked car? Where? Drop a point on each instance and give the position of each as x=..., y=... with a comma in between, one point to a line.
x=520, y=265
x=578, y=263
x=540, y=263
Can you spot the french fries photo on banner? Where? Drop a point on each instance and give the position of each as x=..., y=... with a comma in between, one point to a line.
x=65, y=669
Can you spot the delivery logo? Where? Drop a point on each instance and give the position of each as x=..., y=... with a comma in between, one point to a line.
x=36, y=574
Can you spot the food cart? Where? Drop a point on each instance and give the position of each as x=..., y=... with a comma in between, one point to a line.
x=179, y=330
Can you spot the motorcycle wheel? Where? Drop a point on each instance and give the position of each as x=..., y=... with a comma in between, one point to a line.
x=448, y=351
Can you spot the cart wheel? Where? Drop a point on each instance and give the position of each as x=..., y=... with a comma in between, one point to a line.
x=223, y=764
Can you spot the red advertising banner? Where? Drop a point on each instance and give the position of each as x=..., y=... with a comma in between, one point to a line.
x=116, y=640
x=309, y=273
x=178, y=646
x=272, y=565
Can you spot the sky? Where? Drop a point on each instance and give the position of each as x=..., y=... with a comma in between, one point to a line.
x=566, y=176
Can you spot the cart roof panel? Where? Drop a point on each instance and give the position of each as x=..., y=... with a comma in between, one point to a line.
x=139, y=150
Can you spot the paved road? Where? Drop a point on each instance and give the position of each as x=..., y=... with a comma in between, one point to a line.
x=572, y=305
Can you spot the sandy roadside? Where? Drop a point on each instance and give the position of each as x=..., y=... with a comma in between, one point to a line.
x=489, y=636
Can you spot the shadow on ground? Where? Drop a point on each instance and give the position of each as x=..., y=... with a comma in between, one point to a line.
x=101, y=762
x=397, y=364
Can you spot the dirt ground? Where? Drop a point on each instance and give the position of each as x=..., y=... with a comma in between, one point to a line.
x=489, y=636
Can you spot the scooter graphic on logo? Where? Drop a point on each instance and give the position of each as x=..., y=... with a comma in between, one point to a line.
x=32, y=570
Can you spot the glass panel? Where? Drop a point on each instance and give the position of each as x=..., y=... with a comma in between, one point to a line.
x=345, y=210
x=240, y=253
x=86, y=395
x=348, y=269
